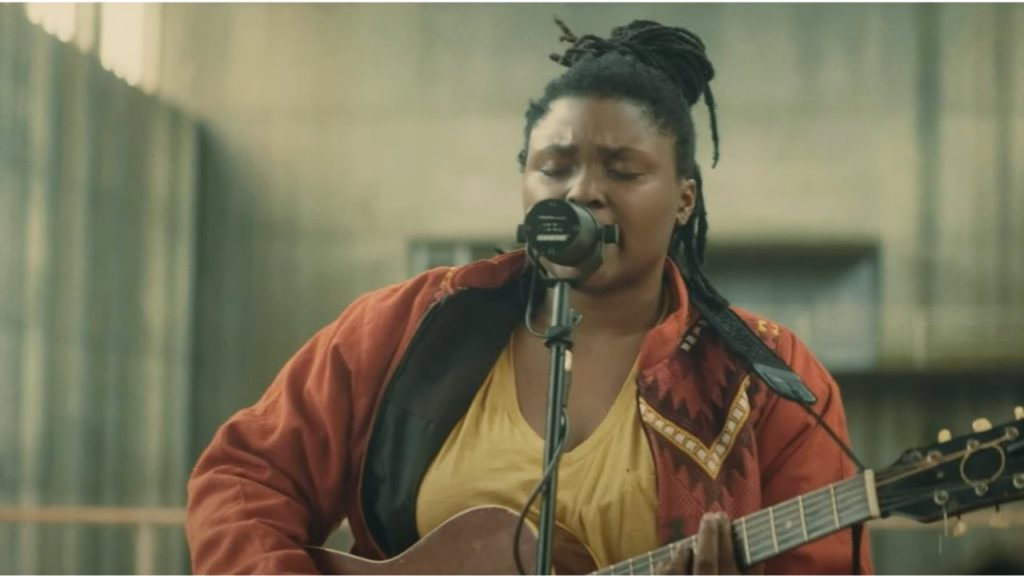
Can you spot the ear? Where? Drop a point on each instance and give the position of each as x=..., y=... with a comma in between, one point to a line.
x=687, y=191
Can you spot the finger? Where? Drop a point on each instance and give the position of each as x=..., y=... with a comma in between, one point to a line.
x=726, y=552
x=664, y=566
x=683, y=561
x=705, y=561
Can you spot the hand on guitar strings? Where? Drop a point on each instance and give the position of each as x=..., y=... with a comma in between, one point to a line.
x=713, y=552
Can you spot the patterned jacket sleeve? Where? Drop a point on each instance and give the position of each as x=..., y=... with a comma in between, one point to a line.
x=797, y=456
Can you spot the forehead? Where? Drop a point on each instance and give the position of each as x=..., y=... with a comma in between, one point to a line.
x=602, y=122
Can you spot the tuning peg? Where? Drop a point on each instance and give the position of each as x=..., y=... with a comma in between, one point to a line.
x=981, y=425
x=945, y=435
x=1018, y=413
x=998, y=519
x=960, y=528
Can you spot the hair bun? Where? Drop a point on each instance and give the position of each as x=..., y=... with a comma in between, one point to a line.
x=676, y=52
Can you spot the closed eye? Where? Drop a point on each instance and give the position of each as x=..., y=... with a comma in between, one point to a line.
x=623, y=175
x=556, y=172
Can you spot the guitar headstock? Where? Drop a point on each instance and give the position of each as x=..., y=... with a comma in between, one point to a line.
x=956, y=475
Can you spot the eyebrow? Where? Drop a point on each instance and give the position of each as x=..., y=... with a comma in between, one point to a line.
x=560, y=149
x=572, y=149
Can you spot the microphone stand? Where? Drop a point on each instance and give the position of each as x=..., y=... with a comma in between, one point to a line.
x=569, y=235
x=558, y=339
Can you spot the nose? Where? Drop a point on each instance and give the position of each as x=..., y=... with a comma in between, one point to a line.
x=586, y=190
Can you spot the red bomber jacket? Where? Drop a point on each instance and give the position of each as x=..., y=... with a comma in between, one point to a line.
x=353, y=420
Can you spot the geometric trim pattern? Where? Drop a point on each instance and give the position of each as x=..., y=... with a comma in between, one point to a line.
x=709, y=458
x=691, y=338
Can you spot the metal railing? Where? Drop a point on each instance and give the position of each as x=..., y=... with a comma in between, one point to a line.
x=144, y=519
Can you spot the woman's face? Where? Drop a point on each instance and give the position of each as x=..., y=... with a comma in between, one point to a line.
x=606, y=155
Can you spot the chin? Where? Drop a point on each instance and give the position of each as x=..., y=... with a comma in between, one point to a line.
x=601, y=281
x=596, y=281
x=560, y=272
x=610, y=275
x=605, y=279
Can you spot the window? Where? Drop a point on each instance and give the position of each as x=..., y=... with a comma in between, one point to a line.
x=827, y=295
x=57, y=19
x=425, y=254
x=126, y=36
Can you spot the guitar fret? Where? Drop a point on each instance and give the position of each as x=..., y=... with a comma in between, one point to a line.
x=773, y=530
x=819, y=514
x=827, y=517
x=851, y=505
x=764, y=529
x=835, y=507
x=787, y=516
x=762, y=542
x=746, y=539
x=763, y=534
x=803, y=518
x=755, y=525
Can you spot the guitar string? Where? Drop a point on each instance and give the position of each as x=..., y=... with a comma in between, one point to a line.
x=888, y=499
x=815, y=528
x=847, y=489
x=819, y=519
x=900, y=499
x=665, y=552
x=759, y=522
x=888, y=476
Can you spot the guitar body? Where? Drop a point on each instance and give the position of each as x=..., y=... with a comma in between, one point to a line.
x=477, y=541
x=968, y=472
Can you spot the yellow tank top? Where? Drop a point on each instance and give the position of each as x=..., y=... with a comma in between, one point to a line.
x=607, y=495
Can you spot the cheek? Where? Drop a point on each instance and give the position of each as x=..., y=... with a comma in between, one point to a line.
x=649, y=218
x=527, y=194
x=533, y=191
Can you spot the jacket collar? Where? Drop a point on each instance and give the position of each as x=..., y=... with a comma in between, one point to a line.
x=659, y=344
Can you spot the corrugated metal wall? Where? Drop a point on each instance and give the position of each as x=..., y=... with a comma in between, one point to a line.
x=97, y=196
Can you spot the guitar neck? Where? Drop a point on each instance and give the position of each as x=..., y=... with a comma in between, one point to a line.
x=782, y=527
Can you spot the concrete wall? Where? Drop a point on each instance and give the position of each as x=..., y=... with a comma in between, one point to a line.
x=333, y=134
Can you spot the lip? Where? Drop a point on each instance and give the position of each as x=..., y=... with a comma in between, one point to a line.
x=621, y=240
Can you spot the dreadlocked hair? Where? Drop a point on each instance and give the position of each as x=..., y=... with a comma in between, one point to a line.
x=664, y=70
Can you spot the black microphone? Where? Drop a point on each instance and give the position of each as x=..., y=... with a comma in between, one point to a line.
x=566, y=234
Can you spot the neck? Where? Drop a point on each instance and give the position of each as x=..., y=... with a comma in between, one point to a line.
x=628, y=310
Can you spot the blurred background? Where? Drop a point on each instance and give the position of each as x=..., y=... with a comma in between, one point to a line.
x=188, y=192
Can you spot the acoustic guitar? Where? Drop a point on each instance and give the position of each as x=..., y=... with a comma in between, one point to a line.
x=939, y=481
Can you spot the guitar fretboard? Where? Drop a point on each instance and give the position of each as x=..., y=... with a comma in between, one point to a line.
x=782, y=527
